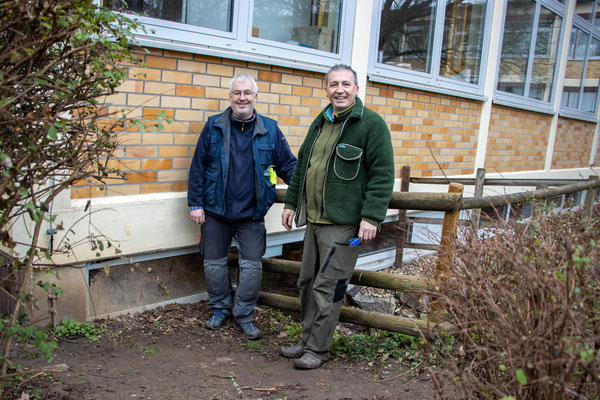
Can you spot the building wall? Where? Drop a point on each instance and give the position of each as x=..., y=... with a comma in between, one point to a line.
x=433, y=133
x=574, y=139
x=517, y=140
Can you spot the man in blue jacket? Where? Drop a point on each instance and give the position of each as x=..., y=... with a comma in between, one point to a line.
x=231, y=187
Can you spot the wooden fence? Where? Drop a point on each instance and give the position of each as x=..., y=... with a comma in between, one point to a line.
x=451, y=204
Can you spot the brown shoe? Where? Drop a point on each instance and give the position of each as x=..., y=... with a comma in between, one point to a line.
x=308, y=361
x=294, y=351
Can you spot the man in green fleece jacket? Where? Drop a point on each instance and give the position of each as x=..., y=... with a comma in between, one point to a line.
x=340, y=190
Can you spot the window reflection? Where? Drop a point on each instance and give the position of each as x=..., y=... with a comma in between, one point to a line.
x=307, y=23
x=584, y=9
x=406, y=34
x=546, y=49
x=574, y=74
x=515, y=46
x=463, y=38
x=213, y=14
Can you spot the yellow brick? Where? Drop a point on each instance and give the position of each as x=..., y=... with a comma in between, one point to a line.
x=159, y=88
x=145, y=74
x=248, y=71
x=286, y=120
x=175, y=101
x=218, y=69
x=189, y=115
x=301, y=91
x=87, y=192
x=283, y=89
x=313, y=82
x=189, y=139
x=173, y=175
x=115, y=98
x=291, y=100
x=205, y=104
x=182, y=163
x=190, y=90
x=279, y=109
x=138, y=177
x=180, y=186
x=206, y=80
x=217, y=93
x=157, y=138
x=176, y=127
x=122, y=190
x=124, y=164
x=143, y=100
x=156, y=188
x=177, y=77
x=269, y=98
x=191, y=66
x=131, y=85
x=291, y=79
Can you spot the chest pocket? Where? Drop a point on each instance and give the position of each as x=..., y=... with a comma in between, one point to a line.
x=266, y=153
x=347, y=161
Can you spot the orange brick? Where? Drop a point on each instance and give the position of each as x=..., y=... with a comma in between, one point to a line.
x=140, y=177
x=124, y=164
x=311, y=102
x=160, y=62
x=152, y=113
x=87, y=192
x=269, y=76
x=196, y=127
x=140, y=151
x=182, y=163
x=157, y=163
x=301, y=91
x=180, y=186
x=190, y=90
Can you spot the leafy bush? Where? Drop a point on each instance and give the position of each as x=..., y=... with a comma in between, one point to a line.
x=525, y=301
x=365, y=347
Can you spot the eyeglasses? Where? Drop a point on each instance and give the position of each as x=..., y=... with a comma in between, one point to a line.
x=237, y=93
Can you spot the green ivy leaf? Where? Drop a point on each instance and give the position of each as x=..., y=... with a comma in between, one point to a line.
x=521, y=378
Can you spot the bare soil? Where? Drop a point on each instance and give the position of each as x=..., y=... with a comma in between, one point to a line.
x=166, y=353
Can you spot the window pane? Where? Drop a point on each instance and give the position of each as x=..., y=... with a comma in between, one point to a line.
x=584, y=9
x=406, y=35
x=515, y=46
x=546, y=49
x=213, y=14
x=597, y=14
x=577, y=48
x=463, y=38
x=307, y=23
x=592, y=73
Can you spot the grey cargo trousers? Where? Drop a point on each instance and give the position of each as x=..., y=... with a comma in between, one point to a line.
x=217, y=236
x=327, y=265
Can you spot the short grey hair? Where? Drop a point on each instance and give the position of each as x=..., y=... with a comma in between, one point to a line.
x=244, y=78
x=341, y=67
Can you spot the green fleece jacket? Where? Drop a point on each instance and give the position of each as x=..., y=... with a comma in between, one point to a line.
x=359, y=178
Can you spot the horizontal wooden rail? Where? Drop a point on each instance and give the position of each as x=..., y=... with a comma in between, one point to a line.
x=393, y=323
x=497, y=181
x=381, y=280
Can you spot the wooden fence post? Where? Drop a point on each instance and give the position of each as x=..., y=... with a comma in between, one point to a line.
x=402, y=222
x=476, y=213
x=590, y=196
x=449, y=232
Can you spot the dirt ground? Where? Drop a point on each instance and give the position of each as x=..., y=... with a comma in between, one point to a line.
x=166, y=353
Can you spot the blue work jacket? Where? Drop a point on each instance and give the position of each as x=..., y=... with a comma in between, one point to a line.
x=208, y=172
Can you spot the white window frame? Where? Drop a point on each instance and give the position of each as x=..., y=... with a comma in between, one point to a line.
x=239, y=44
x=524, y=101
x=592, y=32
x=383, y=73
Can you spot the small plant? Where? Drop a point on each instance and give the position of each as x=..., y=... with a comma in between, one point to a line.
x=382, y=344
x=149, y=351
x=253, y=345
x=293, y=330
x=69, y=328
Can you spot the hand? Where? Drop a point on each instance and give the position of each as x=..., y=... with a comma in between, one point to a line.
x=287, y=217
x=366, y=231
x=198, y=216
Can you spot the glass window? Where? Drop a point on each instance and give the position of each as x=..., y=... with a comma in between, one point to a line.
x=584, y=8
x=515, y=46
x=406, y=34
x=546, y=52
x=580, y=91
x=309, y=23
x=213, y=14
x=427, y=42
x=463, y=39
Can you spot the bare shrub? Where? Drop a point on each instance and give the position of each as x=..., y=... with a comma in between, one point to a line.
x=525, y=300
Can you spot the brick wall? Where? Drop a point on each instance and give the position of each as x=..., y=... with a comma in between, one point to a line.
x=573, y=143
x=430, y=132
x=517, y=140
x=189, y=88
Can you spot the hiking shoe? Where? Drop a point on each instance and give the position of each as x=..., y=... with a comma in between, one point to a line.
x=294, y=351
x=308, y=361
x=248, y=328
x=217, y=319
